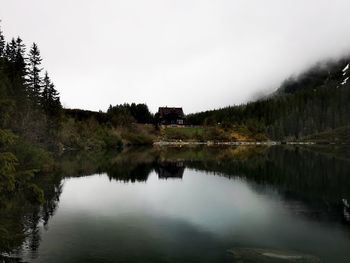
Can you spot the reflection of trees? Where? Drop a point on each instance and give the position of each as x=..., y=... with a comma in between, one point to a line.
x=125, y=172
x=313, y=177
x=310, y=172
x=20, y=218
x=170, y=169
x=295, y=169
x=130, y=165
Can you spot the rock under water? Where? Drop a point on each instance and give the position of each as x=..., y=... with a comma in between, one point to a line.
x=269, y=255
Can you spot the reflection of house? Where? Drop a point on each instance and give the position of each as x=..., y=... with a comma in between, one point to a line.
x=170, y=169
x=170, y=115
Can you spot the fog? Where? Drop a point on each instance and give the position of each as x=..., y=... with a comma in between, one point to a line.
x=195, y=54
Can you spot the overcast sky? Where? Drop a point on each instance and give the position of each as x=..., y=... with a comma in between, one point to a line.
x=195, y=54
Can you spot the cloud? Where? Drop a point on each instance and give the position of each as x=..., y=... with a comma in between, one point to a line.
x=196, y=54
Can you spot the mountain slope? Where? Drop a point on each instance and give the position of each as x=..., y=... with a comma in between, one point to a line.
x=314, y=102
x=331, y=74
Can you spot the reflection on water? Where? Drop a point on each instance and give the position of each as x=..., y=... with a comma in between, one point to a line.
x=192, y=204
x=170, y=169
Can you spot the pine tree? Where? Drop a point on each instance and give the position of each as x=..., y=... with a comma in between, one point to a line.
x=7, y=51
x=45, y=92
x=18, y=74
x=54, y=101
x=2, y=44
x=15, y=68
x=51, y=106
x=34, y=79
x=12, y=50
x=20, y=59
x=50, y=97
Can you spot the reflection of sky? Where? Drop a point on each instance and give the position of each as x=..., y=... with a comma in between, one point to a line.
x=164, y=214
x=208, y=201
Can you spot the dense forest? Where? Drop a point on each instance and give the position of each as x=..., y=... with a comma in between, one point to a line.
x=316, y=101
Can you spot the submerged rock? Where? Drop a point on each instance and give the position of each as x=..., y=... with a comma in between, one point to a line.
x=248, y=255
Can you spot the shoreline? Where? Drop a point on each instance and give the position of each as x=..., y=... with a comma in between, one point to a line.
x=236, y=143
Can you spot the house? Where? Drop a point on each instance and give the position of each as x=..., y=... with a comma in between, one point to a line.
x=170, y=116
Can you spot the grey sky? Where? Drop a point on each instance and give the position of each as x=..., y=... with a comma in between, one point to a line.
x=196, y=54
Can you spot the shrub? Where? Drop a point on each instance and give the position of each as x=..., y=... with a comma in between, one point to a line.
x=216, y=134
x=35, y=194
x=133, y=138
x=89, y=135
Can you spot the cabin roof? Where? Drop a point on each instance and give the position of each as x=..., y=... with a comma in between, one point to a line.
x=170, y=110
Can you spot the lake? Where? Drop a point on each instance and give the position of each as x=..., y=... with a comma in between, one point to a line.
x=187, y=204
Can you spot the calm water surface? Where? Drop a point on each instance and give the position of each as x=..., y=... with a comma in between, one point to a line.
x=193, y=205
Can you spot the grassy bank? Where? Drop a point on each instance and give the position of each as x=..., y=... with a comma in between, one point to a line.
x=210, y=133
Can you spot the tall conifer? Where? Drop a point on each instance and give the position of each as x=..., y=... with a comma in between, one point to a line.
x=2, y=43
x=34, y=79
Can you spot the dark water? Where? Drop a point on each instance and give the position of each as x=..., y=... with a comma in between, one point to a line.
x=185, y=205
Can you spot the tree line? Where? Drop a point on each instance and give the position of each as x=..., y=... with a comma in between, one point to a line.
x=118, y=115
x=125, y=113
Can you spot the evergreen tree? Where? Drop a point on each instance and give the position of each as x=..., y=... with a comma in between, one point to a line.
x=51, y=105
x=20, y=59
x=21, y=72
x=54, y=100
x=12, y=50
x=7, y=51
x=2, y=44
x=50, y=97
x=45, y=92
x=34, y=79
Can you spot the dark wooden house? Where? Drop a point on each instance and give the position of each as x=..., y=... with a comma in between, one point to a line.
x=170, y=116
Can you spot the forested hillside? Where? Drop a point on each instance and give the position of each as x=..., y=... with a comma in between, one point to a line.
x=314, y=102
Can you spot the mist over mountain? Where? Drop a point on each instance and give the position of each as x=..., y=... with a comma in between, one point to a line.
x=312, y=102
x=332, y=73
